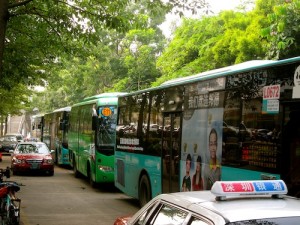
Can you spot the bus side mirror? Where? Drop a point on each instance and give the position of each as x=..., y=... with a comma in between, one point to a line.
x=94, y=122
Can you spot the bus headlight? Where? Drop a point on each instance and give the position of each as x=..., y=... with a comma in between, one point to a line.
x=105, y=168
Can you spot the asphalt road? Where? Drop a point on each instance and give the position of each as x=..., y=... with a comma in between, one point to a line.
x=66, y=200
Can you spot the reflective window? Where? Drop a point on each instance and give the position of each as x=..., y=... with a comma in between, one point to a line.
x=197, y=221
x=144, y=215
x=30, y=148
x=169, y=215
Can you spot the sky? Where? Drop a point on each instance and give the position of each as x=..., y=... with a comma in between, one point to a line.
x=216, y=7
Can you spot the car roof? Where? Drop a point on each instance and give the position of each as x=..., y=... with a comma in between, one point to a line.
x=235, y=207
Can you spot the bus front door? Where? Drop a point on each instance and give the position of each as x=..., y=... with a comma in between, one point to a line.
x=290, y=152
x=171, y=152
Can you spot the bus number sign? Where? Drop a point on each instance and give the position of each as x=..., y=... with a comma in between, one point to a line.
x=271, y=92
x=106, y=112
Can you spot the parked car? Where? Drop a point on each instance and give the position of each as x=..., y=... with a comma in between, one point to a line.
x=32, y=156
x=228, y=203
x=262, y=134
x=20, y=137
x=7, y=143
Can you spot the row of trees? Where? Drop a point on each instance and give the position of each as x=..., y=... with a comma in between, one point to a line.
x=82, y=48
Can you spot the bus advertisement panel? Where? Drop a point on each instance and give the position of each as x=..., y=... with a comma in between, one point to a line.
x=92, y=137
x=225, y=124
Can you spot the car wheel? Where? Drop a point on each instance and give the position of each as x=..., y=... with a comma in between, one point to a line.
x=144, y=190
x=51, y=173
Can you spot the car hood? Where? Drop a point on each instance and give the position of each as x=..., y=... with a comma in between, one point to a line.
x=32, y=156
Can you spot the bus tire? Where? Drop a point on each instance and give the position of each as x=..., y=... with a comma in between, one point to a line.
x=90, y=177
x=76, y=172
x=144, y=190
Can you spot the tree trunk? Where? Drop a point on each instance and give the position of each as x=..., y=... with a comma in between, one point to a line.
x=4, y=15
x=1, y=126
x=6, y=124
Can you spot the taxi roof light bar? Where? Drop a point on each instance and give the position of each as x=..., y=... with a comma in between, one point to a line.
x=224, y=189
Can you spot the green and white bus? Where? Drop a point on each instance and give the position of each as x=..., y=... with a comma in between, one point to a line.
x=92, y=136
x=235, y=123
x=55, y=134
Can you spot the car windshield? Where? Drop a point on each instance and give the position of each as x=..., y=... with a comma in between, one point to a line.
x=270, y=221
x=31, y=148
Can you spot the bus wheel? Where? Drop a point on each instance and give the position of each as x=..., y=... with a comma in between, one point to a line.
x=90, y=177
x=76, y=172
x=144, y=191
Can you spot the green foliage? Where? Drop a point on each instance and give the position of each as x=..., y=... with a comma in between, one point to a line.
x=14, y=100
x=87, y=48
x=111, y=66
x=213, y=42
x=35, y=35
x=283, y=33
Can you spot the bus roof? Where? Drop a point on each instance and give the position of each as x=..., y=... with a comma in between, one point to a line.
x=102, y=99
x=234, y=68
x=216, y=73
x=237, y=68
x=68, y=109
x=104, y=95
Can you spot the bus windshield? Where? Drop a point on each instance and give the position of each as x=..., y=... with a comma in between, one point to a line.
x=107, y=125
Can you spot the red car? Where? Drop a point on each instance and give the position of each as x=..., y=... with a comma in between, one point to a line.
x=32, y=156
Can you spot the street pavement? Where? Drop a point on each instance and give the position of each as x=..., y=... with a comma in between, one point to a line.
x=66, y=200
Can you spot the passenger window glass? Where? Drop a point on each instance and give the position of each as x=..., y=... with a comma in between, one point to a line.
x=169, y=215
x=197, y=221
x=144, y=215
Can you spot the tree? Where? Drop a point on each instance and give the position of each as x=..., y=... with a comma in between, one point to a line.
x=283, y=32
x=214, y=42
x=141, y=48
x=35, y=34
x=38, y=31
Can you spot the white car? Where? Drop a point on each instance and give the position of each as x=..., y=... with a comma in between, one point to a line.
x=228, y=203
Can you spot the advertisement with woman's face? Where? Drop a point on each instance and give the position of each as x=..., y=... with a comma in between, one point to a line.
x=201, y=138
